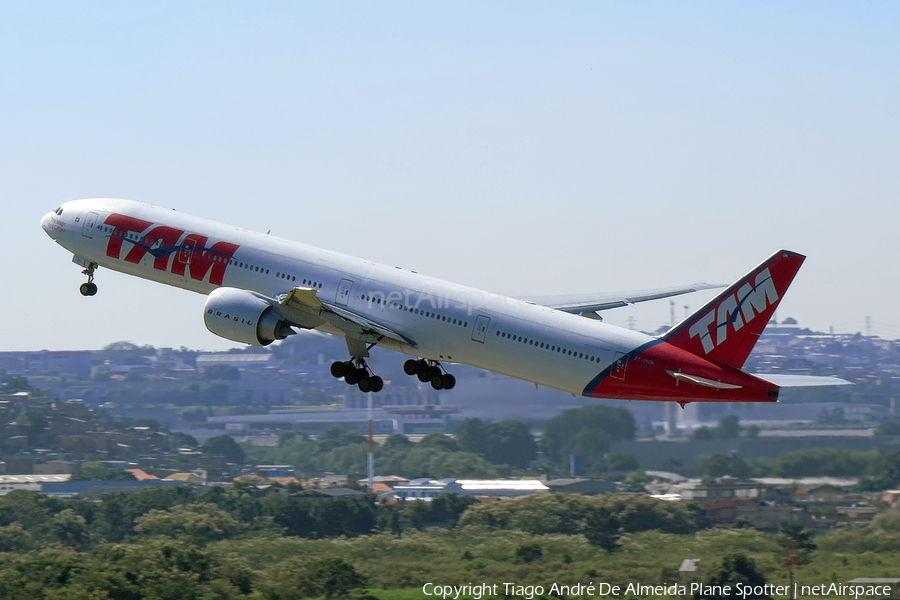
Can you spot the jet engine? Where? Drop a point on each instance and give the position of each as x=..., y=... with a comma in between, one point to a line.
x=244, y=316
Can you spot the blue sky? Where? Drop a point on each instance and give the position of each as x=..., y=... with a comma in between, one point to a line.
x=519, y=147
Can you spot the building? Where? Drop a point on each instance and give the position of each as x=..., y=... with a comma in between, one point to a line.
x=429, y=489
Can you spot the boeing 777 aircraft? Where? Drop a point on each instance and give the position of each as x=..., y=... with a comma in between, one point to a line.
x=260, y=288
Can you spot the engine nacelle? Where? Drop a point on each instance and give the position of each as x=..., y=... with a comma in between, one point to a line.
x=245, y=317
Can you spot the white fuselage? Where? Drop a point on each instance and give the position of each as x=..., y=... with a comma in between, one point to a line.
x=557, y=349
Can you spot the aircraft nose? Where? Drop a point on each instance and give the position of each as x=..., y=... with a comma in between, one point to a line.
x=47, y=225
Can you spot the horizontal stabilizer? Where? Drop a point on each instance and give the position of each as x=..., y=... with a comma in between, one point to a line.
x=705, y=382
x=794, y=381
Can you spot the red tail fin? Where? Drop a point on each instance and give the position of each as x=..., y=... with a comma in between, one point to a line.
x=727, y=328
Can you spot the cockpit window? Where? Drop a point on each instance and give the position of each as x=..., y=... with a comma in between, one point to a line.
x=58, y=210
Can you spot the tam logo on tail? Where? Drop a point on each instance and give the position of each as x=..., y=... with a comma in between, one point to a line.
x=735, y=310
x=727, y=328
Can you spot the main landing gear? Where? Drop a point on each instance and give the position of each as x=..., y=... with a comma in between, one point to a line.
x=356, y=372
x=430, y=370
x=89, y=288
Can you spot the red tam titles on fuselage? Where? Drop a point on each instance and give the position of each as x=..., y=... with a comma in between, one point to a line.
x=190, y=249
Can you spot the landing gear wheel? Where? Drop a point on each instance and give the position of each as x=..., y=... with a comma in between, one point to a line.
x=437, y=382
x=365, y=385
x=338, y=369
x=424, y=375
x=411, y=367
x=449, y=381
x=377, y=383
x=89, y=288
x=351, y=377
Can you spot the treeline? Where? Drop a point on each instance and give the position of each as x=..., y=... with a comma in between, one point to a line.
x=168, y=543
x=601, y=519
x=480, y=449
x=878, y=470
x=29, y=520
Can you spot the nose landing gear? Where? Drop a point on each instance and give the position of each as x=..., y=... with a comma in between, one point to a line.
x=430, y=371
x=356, y=372
x=89, y=288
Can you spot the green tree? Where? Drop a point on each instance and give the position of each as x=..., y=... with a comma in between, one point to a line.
x=734, y=569
x=890, y=428
x=601, y=528
x=14, y=538
x=439, y=441
x=313, y=517
x=331, y=577
x=887, y=521
x=797, y=544
x=587, y=431
x=71, y=529
x=620, y=461
x=225, y=372
x=116, y=514
x=462, y=465
x=719, y=465
x=703, y=433
x=527, y=553
x=729, y=428
x=13, y=384
x=299, y=577
x=224, y=445
x=95, y=471
x=337, y=437
x=637, y=481
x=416, y=513
x=350, y=460
x=396, y=442
x=389, y=520
x=507, y=442
x=200, y=522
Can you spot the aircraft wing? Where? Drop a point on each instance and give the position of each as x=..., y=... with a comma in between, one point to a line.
x=591, y=303
x=793, y=381
x=301, y=303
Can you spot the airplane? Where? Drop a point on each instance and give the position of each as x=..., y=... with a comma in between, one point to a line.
x=260, y=288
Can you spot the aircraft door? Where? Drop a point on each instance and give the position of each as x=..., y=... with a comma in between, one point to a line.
x=185, y=251
x=87, y=228
x=482, y=323
x=343, y=291
x=618, y=366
